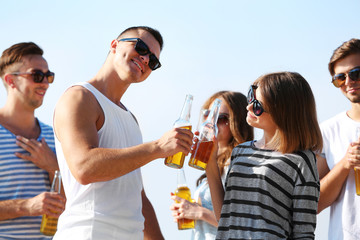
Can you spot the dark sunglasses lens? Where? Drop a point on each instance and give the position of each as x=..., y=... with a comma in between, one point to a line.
x=257, y=108
x=153, y=62
x=339, y=80
x=38, y=76
x=250, y=96
x=205, y=114
x=222, y=119
x=50, y=77
x=141, y=48
x=354, y=74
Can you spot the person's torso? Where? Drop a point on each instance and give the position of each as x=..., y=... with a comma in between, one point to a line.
x=21, y=179
x=260, y=194
x=338, y=132
x=111, y=209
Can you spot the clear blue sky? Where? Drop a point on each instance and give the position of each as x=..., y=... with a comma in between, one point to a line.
x=209, y=46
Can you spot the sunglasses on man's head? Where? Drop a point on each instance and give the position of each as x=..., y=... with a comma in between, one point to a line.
x=251, y=98
x=223, y=118
x=339, y=79
x=38, y=76
x=142, y=49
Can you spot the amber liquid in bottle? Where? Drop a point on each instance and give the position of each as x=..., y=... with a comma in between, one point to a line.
x=184, y=192
x=357, y=180
x=203, y=144
x=176, y=160
x=48, y=225
x=357, y=169
x=200, y=158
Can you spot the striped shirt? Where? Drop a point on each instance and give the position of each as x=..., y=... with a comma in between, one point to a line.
x=21, y=179
x=270, y=195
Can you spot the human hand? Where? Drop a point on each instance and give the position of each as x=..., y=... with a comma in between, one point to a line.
x=39, y=153
x=174, y=141
x=50, y=203
x=352, y=156
x=182, y=208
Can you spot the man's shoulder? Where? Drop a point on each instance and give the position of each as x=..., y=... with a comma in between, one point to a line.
x=340, y=117
x=77, y=95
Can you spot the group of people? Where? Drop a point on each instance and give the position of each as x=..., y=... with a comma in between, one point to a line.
x=270, y=188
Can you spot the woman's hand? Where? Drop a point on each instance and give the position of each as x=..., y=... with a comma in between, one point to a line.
x=182, y=208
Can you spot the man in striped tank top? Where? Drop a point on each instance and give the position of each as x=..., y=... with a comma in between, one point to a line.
x=27, y=157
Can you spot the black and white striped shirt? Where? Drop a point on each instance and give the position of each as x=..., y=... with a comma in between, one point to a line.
x=270, y=195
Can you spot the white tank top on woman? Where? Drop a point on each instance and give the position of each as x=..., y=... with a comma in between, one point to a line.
x=104, y=210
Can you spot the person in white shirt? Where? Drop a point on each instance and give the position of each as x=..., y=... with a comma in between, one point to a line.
x=100, y=149
x=341, y=151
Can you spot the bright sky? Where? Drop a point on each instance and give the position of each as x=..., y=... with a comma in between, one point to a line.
x=209, y=46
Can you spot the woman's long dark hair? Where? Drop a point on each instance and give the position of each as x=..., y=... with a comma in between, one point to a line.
x=240, y=130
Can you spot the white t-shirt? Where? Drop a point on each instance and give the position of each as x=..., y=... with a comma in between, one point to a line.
x=338, y=132
x=104, y=210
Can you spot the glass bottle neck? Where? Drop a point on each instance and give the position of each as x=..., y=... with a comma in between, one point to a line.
x=184, y=118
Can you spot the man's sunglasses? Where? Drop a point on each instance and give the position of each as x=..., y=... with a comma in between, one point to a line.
x=222, y=119
x=251, y=98
x=339, y=79
x=38, y=76
x=142, y=49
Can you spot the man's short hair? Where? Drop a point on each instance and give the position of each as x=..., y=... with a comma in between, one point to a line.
x=347, y=48
x=155, y=33
x=15, y=54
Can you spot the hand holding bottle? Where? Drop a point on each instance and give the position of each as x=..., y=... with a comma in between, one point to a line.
x=177, y=140
x=182, y=208
x=183, y=193
x=203, y=144
x=49, y=222
x=177, y=160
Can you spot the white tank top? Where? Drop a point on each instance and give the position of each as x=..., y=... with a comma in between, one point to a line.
x=104, y=210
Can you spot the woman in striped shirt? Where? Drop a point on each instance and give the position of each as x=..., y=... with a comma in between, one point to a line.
x=272, y=187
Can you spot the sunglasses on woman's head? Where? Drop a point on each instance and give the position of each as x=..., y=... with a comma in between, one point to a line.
x=223, y=118
x=339, y=79
x=143, y=49
x=251, y=98
x=38, y=76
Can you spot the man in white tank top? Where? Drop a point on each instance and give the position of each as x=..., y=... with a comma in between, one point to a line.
x=100, y=149
x=341, y=151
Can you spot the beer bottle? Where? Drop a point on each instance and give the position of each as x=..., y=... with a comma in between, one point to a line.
x=357, y=169
x=49, y=224
x=184, y=192
x=204, y=144
x=177, y=160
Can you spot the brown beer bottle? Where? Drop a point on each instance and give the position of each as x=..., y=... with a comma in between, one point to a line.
x=203, y=144
x=49, y=224
x=177, y=160
x=184, y=192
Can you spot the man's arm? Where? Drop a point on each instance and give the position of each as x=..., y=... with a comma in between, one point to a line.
x=331, y=182
x=77, y=118
x=151, y=228
x=52, y=204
